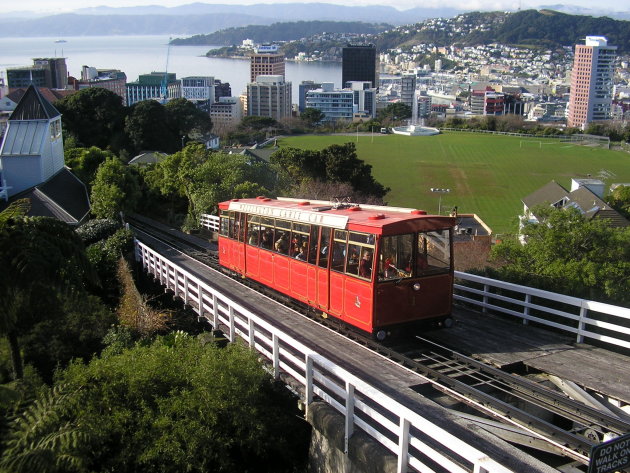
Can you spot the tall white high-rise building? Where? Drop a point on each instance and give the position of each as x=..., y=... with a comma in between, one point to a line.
x=591, y=82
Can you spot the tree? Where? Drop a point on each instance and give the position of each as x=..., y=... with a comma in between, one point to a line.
x=620, y=200
x=95, y=117
x=39, y=246
x=395, y=111
x=569, y=254
x=312, y=116
x=147, y=128
x=178, y=404
x=184, y=118
x=85, y=161
x=115, y=189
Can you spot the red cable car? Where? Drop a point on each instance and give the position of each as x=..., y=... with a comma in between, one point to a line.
x=379, y=269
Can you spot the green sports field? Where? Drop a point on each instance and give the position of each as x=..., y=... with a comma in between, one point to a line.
x=486, y=174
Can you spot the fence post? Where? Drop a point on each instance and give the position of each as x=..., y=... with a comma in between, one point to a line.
x=403, y=446
x=528, y=299
x=349, y=424
x=231, y=320
x=276, y=356
x=186, y=289
x=215, y=311
x=582, y=322
x=252, y=341
x=308, y=380
x=484, y=310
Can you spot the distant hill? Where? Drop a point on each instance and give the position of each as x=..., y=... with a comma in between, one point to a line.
x=201, y=18
x=544, y=28
x=288, y=31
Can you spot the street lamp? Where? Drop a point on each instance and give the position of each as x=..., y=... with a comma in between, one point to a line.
x=183, y=137
x=438, y=190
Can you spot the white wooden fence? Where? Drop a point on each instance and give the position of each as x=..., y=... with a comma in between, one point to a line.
x=585, y=319
x=402, y=431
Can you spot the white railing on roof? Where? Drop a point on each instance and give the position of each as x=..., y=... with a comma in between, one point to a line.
x=397, y=428
x=585, y=319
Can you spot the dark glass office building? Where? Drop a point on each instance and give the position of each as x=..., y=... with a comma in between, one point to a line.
x=359, y=64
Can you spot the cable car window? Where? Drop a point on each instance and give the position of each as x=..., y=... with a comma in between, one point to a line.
x=396, y=257
x=266, y=233
x=299, y=241
x=253, y=230
x=312, y=250
x=239, y=226
x=360, y=245
x=224, y=229
x=283, y=224
x=339, y=250
x=324, y=248
x=434, y=252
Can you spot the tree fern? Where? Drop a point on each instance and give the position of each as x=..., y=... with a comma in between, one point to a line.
x=43, y=439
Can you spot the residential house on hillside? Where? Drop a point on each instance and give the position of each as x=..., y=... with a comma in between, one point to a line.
x=585, y=195
x=32, y=163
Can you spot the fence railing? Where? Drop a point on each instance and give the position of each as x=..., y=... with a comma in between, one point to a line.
x=417, y=443
x=583, y=318
x=210, y=222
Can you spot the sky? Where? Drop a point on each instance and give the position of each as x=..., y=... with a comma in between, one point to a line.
x=59, y=6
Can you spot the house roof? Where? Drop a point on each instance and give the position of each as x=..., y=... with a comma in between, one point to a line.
x=150, y=157
x=24, y=138
x=581, y=198
x=33, y=106
x=52, y=95
x=63, y=197
x=550, y=193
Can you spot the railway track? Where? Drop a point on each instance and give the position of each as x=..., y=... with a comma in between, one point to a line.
x=545, y=418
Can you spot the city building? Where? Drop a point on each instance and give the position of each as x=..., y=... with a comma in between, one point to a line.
x=591, y=82
x=221, y=89
x=266, y=61
x=364, y=99
x=304, y=87
x=407, y=89
x=45, y=72
x=199, y=90
x=487, y=102
x=358, y=64
x=269, y=96
x=110, y=79
x=226, y=113
x=160, y=86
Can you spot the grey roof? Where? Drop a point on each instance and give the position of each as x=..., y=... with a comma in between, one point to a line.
x=150, y=157
x=63, y=197
x=550, y=193
x=24, y=138
x=33, y=106
x=582, y=198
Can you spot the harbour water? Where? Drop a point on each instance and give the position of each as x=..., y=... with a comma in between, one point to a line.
x=137, y=55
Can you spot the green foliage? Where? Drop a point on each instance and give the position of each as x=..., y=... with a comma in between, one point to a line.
x=336, y=163
x=178, y=405
x=206, y=178
x=115, y=189
x=94, y=116
x=568, y=254
x=147, y=128
x=285, y=31
x=97, y=229
x=85, y=161
x=42, y=440
x=620, y=200
x=395, y=111
x=312, y=116
x=185, y=118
